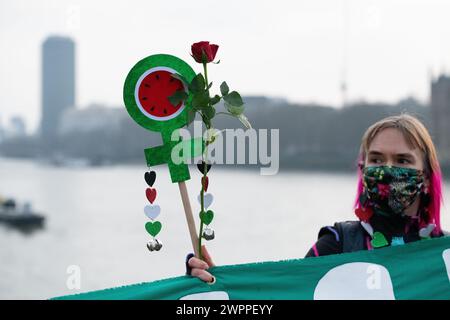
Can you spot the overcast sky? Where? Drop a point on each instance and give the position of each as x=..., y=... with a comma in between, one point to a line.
x=290, y=49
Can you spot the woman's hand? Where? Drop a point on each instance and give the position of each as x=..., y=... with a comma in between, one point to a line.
x=199, y=267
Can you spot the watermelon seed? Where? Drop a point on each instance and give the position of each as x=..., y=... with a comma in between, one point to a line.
x=157, y=77
x=171, y=80
x=152, y=108
x=144, y=98
x=147, y=85
x=165, y=111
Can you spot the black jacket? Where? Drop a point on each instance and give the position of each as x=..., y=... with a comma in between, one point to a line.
x=349, y=236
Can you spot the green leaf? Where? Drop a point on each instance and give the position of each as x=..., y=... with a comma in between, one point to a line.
x=209, y=112
x=234, y=103
x=177, y=97
x=234, y=99
x=235, y=111
x=215, y=100
x=197, y=84
x=178, y=77
x=207, y=121
x=243, y=119
x=224, y=88
x=200, y=100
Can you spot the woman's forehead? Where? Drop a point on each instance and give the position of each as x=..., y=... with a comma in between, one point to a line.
x=393, y=142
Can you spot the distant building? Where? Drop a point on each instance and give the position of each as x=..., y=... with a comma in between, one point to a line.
x=2, y=132
x=14, y=129
x=17, y=127
x=440, y=113
x=93, y=118
x=58, y=83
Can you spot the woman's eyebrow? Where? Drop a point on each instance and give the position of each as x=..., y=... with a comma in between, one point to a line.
x=405, y=155
x=375, y=153
x=399, y=155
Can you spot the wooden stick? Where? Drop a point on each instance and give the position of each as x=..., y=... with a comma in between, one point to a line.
x=189, y=217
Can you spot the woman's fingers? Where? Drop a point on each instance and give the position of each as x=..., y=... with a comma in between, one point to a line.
x=197, y=263
x=198, y=266
x=202, y=274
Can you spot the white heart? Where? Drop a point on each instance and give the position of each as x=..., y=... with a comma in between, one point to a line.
x=368, y=228
x=208, y=199
x=152, y=212
x=425, y=232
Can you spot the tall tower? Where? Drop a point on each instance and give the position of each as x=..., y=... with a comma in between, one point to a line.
x=58, y=83
x=440, y=113
x=344, y=85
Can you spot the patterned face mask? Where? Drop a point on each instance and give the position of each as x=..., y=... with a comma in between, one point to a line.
x=391, y=190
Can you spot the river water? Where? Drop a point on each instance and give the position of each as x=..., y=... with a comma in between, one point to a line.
x=95, y=223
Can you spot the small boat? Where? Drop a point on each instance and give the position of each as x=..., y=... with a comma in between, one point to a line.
x=20, y=217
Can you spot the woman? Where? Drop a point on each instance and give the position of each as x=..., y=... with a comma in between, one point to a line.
x=399, y=194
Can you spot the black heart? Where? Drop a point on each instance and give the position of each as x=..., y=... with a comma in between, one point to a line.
x=150, y=178
x=201, y=167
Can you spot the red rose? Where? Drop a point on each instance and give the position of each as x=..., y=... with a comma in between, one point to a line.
x=203, y=52
x=364, y=214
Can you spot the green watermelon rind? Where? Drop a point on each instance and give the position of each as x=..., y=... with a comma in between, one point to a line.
x=150, y=62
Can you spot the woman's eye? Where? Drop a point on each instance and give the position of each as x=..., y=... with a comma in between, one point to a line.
x=404, y=161
x=375, y=160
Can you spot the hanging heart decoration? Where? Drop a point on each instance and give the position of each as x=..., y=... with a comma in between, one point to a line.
x=207, y=217
x=205, y=183
x=426, y=232
x=379, y=240
x=207, y=199
x=201, y=167
x=153, y=228
x=152, y=212
x=150, y=178
x=151, y=194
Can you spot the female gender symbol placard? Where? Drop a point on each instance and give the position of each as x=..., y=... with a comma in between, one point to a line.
x=146, y=93
x=147, y=88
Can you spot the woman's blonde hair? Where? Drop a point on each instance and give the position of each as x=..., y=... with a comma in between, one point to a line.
x=417, y=136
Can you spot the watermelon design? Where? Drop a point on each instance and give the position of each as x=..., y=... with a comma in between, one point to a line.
x=153, y=90
x=147, y=88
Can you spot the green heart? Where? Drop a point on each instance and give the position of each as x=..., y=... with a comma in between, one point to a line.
x=207, y=216
x=153, y=228
x=378, y=240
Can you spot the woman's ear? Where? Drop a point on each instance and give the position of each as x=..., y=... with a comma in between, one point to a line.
x=426, y=198
x=361, y=165
x=426, y=185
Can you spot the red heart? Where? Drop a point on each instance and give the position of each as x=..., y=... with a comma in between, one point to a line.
x=364, y=214
x=151, y=194
x=205, y=183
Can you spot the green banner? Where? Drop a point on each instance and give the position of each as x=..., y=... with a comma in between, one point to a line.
x=419, y=270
